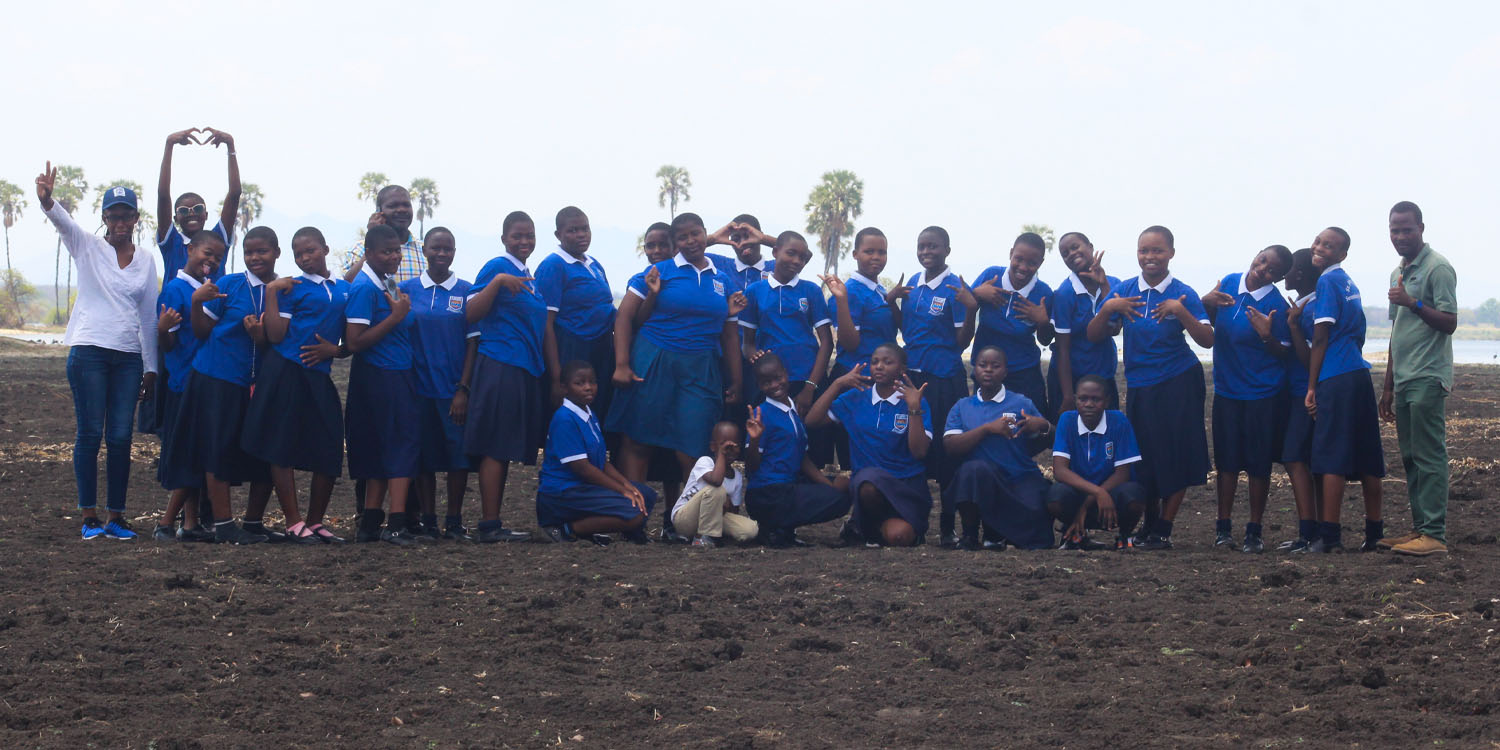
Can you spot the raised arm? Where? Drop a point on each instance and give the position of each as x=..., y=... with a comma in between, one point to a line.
x=164, y=183
x=275, y=322
x=231, y=211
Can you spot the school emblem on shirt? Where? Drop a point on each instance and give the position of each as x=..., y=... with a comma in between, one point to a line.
x=802, y=304
x=937, y=305
x=455, y=304
x=1109, y=450
x=900, y=424
x=718, y=287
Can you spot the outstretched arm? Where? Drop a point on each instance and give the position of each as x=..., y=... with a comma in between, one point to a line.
x=164, y=183
x=231, y=210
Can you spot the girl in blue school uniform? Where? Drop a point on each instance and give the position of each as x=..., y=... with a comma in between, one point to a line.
x=177, y=346
x=785, y=488
x=997, y=480
x=227, y=319
x=1013, y=315
x=1296, y=452
x=1092, y=457
x=579, y=493
x=1341, y=398
x=382, y=403
x=1163, y=378
x=787, y=315
x=295, y=421
x=1251, y=342
x=508, y=405
x=937, y=324
x=863, y=318
x=444, y=346
x=746, y=265
x=890, y=431
x=580, y=308
x=671, y=373
x=1075, y=302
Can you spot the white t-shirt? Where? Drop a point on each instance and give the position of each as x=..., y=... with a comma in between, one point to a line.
x=735, y=485
x=116, y=307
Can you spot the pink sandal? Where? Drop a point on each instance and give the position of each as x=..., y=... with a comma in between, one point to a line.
x=324, y=535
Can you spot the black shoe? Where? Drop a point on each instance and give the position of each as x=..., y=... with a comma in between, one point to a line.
x=969, y=542
x=490, y=536
x=849, y=535
x=1068, y=543
x=1289, y=544
x=669, y=534
x=195, y=534
x=164, y=534
x=996, y=545
x=230, y=532
x=1318, y=547
x=948, y=540
x=1087, y=544
x=1224, y=540
x=1370, y=545
x=272, y=536
x=1253, y=545
x=601, y=540
x=639, y=536
x=457, y=534
x=556, y=535
x=427, y=532
x=1155, y=542
x=399, y=537
x=370, y=522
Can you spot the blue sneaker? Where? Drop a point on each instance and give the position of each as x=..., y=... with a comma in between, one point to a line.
x=92, y=528
x=119, y=529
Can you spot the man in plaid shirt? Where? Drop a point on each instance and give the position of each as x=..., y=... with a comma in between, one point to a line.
x=393, y=208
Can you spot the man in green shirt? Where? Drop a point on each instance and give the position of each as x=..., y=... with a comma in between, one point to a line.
x=1418, y=377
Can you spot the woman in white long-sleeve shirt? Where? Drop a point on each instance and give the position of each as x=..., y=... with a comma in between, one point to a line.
x=112, y=335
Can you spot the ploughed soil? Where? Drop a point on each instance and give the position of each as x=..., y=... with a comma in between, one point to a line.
x=110, y=644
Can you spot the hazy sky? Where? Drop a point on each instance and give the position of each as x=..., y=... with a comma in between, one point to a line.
x=1236, y=126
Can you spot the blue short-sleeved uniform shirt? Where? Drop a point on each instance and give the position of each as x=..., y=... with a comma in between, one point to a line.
x=439, y=334
x=574, y=435
x=785, y=318
x=1338, y=303
x=177, y=295
x=871, y=316
x=173, y=249
x=229, y=353
x=369, y=304
x=1004, y=326
x=930, y=320
x=975, y=411
x=578, y=291
x=691, y=307
x=1095, y=454
x=740, y=275
x=1155, y=352
x=877, y=431
x=513, y=330
x=1243, y=369
x=1072, y=309
x=313, y=308
x=1296, y=372
x=782, y=445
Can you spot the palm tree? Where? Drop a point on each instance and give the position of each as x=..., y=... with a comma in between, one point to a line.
x=370, y=185
x=831, y=209
x=675, y=184
x=12, y=205
x=252, y=203
x=69, y=191
x=1045, y=231
x=424, y=192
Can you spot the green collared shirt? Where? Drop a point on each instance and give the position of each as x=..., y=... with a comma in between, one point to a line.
x=1419, y=350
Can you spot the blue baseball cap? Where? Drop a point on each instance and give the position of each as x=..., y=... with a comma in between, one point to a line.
x=119, y=195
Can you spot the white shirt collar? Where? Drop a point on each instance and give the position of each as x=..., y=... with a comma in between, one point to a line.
x=999, y=395
x=448, y=283
x=869, y=283
x=1258, y=294
x=1007, y=286
x=1161, y=287
x=194, y=283
x=521, y=264
x=583, y=412
x=254, y=280
x=787, y=407
x=771, y=279
x=1305, y=300
x=740, y=265
x=568, y=257
x=316, y=279
x=935, y=283
x=375, y=277
x=1099, y=430
x=1335, y=266
x=893, y=399
x=681, y=261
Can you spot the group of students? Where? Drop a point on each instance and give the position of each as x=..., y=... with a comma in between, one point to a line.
x=715, y=358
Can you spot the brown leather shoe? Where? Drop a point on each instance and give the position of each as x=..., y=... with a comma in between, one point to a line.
x=1392, y=541
x=1422, y=546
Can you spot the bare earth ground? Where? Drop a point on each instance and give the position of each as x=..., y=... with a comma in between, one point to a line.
x=141, y=645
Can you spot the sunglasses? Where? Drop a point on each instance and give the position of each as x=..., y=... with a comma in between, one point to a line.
x=198, y=210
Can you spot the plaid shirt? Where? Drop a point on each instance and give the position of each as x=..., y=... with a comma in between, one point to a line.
x=413, y=262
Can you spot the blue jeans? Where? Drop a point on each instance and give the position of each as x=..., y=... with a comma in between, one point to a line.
x=106, y=384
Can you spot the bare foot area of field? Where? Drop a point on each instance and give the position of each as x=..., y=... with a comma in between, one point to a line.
x=109, y=644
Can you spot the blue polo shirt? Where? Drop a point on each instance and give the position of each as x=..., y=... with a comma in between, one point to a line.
x=1338, y=303
x=1095, y=454
x=740, y=275
x=173, y=249
x=1243, y=369
x=1072, y=309
x=229, y=354
x=177, y=295
x=513, y=330
x=785, y=318
x=1155, y=352
x=439, y=334
x=574, y=435
x=368, y=304
x=871, y=316
x=578, y=291
x=314, y=307
x=1010, y=456
x=877, y=430
x=930, y=320
x=782, y=445
x=1002, y=326
x=691, y=307
x=1296, y=372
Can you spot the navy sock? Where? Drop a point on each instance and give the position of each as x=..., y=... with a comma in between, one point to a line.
x=1163, y=528
x=395, y=522
x=429, y=520
x=1307, y=530
x=1252, y=529
x=1222, y=526
x=490, y=525
x=1332, y=533
x=1374, y=530
x=452, y=522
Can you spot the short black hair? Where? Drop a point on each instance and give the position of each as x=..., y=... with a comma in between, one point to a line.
x=788, y=236
x=437, y=230
x=866, y=232
x=1079, y=235
x=748, y=219
x=1095, y=379
x=893, y=347
x=1407, y=207
x=687, y=219
x=513, y=217
x=568, y=213
x=1340, y=232
x=312, y=232
x=725, y=424
x=991, y=348
x=387, y=190
x=203, y=236
x=659, y=226
x=767, y=364
x=380, y=233
x=573, y=367
x=1161, y=230
x=268, y=234
x=1282, y=254
x=186, y=196
x=939, y=231
x=1032, y=240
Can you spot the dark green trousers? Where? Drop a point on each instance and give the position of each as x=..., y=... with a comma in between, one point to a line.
x=1422, y=431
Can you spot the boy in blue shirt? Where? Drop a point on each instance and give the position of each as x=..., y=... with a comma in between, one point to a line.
x=785, y=489
x=787, y=315
x=1092, y=456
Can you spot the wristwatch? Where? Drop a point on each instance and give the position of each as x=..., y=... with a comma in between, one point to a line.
x=1417, y=305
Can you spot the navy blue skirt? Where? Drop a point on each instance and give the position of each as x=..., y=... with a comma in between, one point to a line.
x=908, y=497
x=1055, y=394
x=1297, y=442
x=295, y=418
x=172, y=469
x=1248, y=434
x=600, y=353
x=207, y=428
x=442, y=439
x=1168, y=422
x=941, y=395
x=380, y=422
x=676, y=404
x=589, y=500
x=1347, y=430
x=1029, y=383
x=508, y=413
x=1013, y=508
x=830, y=442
